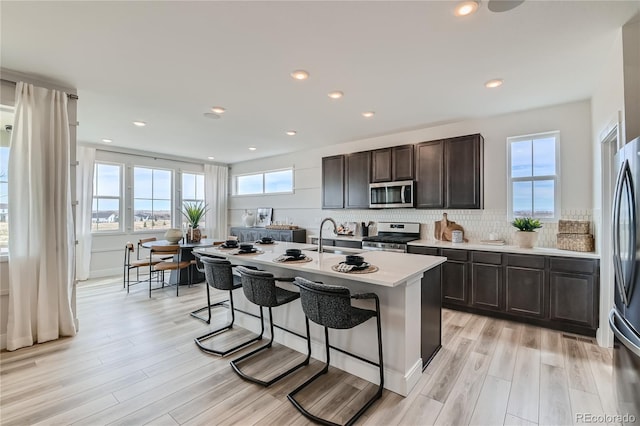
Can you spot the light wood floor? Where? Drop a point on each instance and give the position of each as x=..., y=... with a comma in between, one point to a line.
x=134, y=362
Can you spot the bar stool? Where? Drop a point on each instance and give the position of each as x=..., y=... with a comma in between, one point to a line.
x=219, y=275
x=330, y=307
x=260, y=288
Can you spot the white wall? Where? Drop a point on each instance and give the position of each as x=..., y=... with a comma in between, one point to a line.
x=573, y=120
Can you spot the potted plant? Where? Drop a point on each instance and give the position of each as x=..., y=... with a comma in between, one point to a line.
x=194, y=212
x=526, y=235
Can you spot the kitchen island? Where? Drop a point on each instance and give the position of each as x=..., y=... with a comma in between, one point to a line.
x=408, y=286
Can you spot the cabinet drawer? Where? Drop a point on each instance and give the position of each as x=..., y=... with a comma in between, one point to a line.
x=349, y=244
x=461, y=255
x=485, y=257
x=525, y=261
x=584, y=266
x=429, y=251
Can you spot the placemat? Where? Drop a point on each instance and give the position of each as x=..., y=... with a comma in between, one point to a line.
x=237, y=253
x=368, y=270
x=304, y=260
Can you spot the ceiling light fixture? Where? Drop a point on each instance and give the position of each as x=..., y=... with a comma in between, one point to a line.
x=211, y=115
x=107, y=140
x=252, y=148
x=466, y=8
x=139, y=123
x=211, y=158
x=492, y=84
x=368, y=114
x=299, y=75
x=218, y=110
x=291, y=132
x=336, y=94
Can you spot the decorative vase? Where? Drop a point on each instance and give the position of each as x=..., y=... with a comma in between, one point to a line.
x=248, y=218
x=194, y=235
x=526, y=239
x=173, y=235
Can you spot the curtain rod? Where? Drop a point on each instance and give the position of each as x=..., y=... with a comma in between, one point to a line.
x=69, y=95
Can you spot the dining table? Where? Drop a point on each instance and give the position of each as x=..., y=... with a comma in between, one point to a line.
x=186, y=254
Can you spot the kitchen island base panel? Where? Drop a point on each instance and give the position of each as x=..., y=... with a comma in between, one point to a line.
x=400, y=335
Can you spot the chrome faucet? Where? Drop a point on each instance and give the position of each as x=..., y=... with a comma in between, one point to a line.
x=335, y=231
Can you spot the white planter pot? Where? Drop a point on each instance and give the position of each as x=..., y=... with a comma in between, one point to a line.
x=173, y=235
x=526, y=239
x=248, y=219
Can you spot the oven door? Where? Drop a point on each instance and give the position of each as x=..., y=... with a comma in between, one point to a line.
x=372, y=245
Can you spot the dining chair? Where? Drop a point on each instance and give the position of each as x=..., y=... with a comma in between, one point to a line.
x=136, y=264
x=149, y=240
x=174, y=264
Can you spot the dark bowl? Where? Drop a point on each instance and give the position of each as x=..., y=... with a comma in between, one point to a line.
x=293, y=252
x=354, y=260
x=246, y=247
x=266, y=240
x=231, y=243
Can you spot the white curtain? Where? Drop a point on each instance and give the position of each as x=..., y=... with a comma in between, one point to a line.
x=40, y=219
x=86, y=157
x=215, y=188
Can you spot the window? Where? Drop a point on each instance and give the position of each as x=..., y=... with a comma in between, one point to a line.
x=4, y=197
x=107, y=198
x=272, y=182
x=534, y=181
x=193, y=190
x=152, y=199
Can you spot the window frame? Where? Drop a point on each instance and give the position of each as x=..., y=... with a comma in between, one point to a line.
x=132, y=209
x=263, y=174
x=120, y=198
x=556, y=178
x=183, y=199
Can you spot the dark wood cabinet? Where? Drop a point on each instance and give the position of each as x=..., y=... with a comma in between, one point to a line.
x=573, y=284
x=455, y=277
x=556, y=292
x=250, y=235
x=463, y=171
x=392, y=164
x=358, y=175
x=486, y=281
x=449, y=173
x=333, y=182
x=430, y=175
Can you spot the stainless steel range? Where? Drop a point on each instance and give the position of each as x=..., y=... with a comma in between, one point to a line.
x=392, y=236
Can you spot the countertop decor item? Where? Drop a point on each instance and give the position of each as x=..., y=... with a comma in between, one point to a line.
x=263, y=217
x=173, y=235
x=574, y=235
x=248, y=218
x=444, y=228
x=526, y=236
x=194, y=212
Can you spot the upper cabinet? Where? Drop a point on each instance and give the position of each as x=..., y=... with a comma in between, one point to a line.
x=449, y=173
x=392, y=164
x=333, y=182
x=358, y=174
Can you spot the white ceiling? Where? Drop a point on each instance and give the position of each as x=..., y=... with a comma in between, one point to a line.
x=414, y=63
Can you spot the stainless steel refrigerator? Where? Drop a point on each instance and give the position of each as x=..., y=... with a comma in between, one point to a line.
x=624, y=317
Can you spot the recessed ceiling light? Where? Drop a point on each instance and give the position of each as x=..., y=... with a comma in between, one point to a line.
x=466, y=8
x=139, y=123
x=211, y=158
x=300, y=75
x=107, y=140
x=252, y=148
x=336, y=95
x=368, y=114
x=291, y=132
x=218, y=110
x=492, y=84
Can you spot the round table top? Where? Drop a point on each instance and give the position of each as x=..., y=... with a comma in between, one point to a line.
x=205, y=242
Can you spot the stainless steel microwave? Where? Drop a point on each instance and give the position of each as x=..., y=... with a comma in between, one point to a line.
x=391, y=194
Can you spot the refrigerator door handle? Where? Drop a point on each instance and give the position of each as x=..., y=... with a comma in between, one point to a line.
x=625, y=284
x=617, y=262
x=626, y=341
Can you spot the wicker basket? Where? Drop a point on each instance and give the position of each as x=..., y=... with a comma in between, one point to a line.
x=573, y=226
x=576, y=242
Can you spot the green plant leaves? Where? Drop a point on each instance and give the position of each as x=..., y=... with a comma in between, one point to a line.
x=194, y=211
x=526, y=224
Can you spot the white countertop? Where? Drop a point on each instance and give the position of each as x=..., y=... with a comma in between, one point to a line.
x=541, y=251
x=394, y=268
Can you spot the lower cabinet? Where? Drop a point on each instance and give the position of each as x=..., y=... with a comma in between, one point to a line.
x=250, y=235
x=556, y=292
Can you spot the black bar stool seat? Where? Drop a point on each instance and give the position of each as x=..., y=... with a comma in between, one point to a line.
x=260, y=288
x=330, y=307
x=219, y=275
